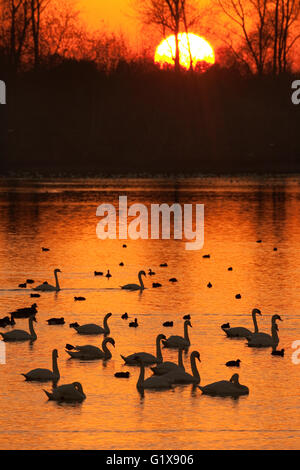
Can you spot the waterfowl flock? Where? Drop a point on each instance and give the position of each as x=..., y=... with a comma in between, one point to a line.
x=165, y=374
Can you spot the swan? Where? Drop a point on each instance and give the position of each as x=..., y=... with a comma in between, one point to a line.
x=68, y=393
x=226, y=388
x=233, y=363
x=92, y=329
x=240, y=331
x=44, y=375
x=92, y=352
x=177, y=341
x=154, y=382
x=263, y=340
x=21, y=335
x=167, y=366
x=45, y=287
x=180, y=376
x=25, y=312
x=122, y=375
x=139, y=286
x=56, y=321
x=148, y=359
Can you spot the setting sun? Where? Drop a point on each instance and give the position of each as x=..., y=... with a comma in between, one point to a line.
x=189, y=44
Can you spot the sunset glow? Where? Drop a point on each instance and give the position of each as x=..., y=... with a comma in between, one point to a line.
x=200, y=49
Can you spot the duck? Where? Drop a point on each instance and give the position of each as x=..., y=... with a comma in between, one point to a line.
x=35, y=295
x=209, y=285
x=30, y=281
x=167, y=366
x=92, y=329
x=148, y=359
x=45, y=375
x=23, y=286
x=45, y=249
x=275, y=249
x=124, y=316
x=276, y=352
x=186, y=317
x=233, y=363
x=238, y=296
x=45, y=287
x=89, y=352
x=206, y=256
x=153, y=382
x=25, y=312
x=225, y=388
x=121, y=264
x=133, y=324
x=73, y=325
x=124, y=246
x=21, y=335
x=177, y=341
x=67, y=393
x=163, y=265
x=4, y=322
x=156, y=284
x=263, y=340
x=258, y=241
x=168, y=323
x=133, y=287
x=230, y=268
x=79, y=299
x=56, y=321
x=173, y=279
x=151, y=273
x=122, y=375
x=240, y=331
x=108, y=275
x=180, y=376
x=98, y=273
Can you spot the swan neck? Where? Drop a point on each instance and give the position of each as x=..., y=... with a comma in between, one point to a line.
x=274, y=331
x=107, y=353
x=141, y=281
x=158, y=349
x=186, y=332
x=140, y=382
x=194, y=368
x=57, y=287
x=105, y=326
x=180, y=361
x=255, y=322
x=55, y=365
x=31, y=329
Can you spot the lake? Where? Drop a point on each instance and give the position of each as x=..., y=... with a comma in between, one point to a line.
x=61, y=215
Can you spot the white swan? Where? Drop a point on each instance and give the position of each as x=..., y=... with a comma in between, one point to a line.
x=93, y=329
x=225, y=388
x=179, y=341
x=134, y=359
x=45, y=287
x=154, y=382
x=21, y=335
x=139, y=286
x=92, y=352
x=240, y=331
x=263, y=340
x=68, y=393
x=167, y=366
x=44, y=375
x=179, y=376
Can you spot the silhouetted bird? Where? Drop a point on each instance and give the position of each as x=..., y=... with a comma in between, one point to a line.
x=56, y=321
x=209, y=285
x=206, y=256
x=187, y=317
x=45, y=249
x=233, y=363
x=150, y=272
x=121, y=264
x=134, y=324
x=108, y=275
x=168, y=323
x=25, y=312
x=35, y=295
x=163, y=265
x=124, y=316
x=79, y=299
x=173, y=279
x=275, y=249
x=30, y=281
x=124, y=246
x=278, y=353
x=4, y=322
x=98, y=273
x=22, y=286
x=230, y=269
x=238, y=296
x=258, y=241
x=156, y=284
x=122, y=375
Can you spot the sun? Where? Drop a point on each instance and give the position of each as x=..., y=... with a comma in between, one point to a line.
x=189, y=45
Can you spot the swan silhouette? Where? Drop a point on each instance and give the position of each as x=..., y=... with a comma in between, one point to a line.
x=225, y=388
x=146, y=358
x=167, y=366
x=25, y=312
x=45, y=287
x=45, y=375
x=21, y=335
x=92, y=352
x=92, y=328
x=180, y=376
x=67, y=393
x=240, y=331
x=263, y=340
x=154, y=382
x=139, y=286
x=177, y=341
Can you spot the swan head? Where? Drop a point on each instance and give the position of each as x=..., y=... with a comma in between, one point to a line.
x=33, y=318
x=188, y=323
x=256, y=311
x=196, y=354
x=108, y=315
x=160, y=337
x=142, y=273
x=34, y=305
x=276, y=317
x=57, y=270
x=234, y=379
x=110, y=340
x=55, y=353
